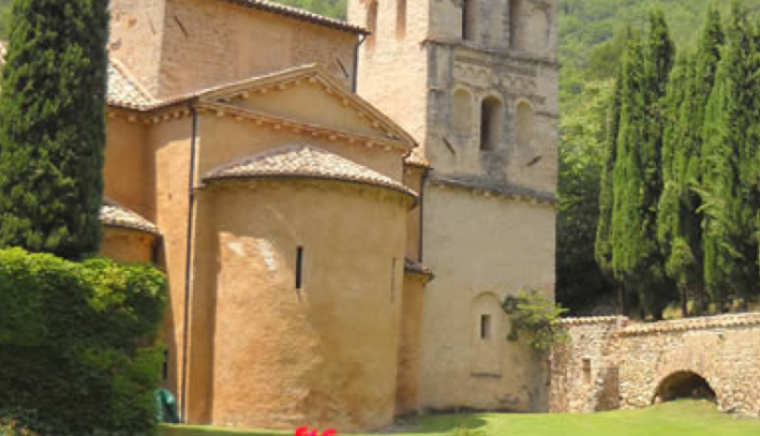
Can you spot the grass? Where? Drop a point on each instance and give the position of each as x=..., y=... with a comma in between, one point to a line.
x=683, y=418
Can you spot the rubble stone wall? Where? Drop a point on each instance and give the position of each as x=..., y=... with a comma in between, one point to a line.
x=611, y=363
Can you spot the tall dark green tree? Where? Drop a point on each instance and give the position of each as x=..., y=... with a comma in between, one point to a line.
x=679, y=220
x=729, y=164
x=52, y=126
x=636, y=259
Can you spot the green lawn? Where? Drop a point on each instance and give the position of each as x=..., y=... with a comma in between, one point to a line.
x=685, y=418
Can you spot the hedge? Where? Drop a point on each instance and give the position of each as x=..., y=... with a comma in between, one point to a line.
x=71, y=361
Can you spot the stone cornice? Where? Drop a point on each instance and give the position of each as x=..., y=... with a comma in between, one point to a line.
x=692, y=324
x=488, y=188
x=501, y=54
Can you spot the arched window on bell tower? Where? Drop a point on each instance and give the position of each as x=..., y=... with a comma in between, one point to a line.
x=492, y=113
x=469, y=20
x=525, y=123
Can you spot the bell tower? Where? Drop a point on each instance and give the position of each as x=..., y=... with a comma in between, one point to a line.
x=476, y=83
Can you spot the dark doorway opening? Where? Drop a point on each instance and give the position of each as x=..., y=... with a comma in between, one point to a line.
x=684, y=384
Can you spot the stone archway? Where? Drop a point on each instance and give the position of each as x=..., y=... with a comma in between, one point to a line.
x=684, y=384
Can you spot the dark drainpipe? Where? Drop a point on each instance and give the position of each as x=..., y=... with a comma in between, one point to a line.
x=355, y=79
x=423, y=186
x=188, y=261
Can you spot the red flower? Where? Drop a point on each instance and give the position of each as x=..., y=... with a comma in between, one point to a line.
x=304, y=431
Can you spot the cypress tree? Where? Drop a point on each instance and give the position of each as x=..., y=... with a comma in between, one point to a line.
x=636, y=258
x=52, y=126
x=678, y=255
x=679, y=221
x=729, y=188
x=603, y=243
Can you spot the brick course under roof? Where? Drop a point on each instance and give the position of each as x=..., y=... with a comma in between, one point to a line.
x=304, y=161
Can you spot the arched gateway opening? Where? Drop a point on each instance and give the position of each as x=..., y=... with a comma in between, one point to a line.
x=684, y=384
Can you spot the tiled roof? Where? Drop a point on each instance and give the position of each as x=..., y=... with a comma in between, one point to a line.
x=124, y=90
x=304, y=161
x=416, y=267
x=300, y=14
x=115, y=215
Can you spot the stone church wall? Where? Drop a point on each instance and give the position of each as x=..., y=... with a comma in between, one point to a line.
x=609, y=363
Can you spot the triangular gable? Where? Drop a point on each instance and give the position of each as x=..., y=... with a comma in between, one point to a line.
x=310, y=96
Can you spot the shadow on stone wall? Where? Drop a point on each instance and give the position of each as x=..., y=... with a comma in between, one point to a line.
x=684, y=384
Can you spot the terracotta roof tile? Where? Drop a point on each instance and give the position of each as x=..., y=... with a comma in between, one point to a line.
x=124, y=90
x=300, y=14
x=115, y=215
x=304, y=161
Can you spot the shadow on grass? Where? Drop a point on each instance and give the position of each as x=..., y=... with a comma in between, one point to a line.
x=439, y=423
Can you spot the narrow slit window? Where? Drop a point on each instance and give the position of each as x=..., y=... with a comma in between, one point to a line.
x=469, y=20
x=485, y=327
x=299, y=268
x=372, y=25
x=393, y=279
x=401, y=18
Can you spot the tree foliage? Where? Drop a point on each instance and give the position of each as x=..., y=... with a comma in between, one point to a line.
x=71, y=344
x=637, y=179
x=52, y=126
x=730, y=167
x=679, y=220
x=538, y=318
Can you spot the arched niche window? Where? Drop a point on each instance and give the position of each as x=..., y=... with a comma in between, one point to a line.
x=401, y=18
x=516, y=12
x=526, y=120
x=462, y=112
x=469, y=20
x=372, y=25
x=488, y=334
x=491, y=116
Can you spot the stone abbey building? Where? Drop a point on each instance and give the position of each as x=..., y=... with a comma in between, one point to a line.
x=340, y=207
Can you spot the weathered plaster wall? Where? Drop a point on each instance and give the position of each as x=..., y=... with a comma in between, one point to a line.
x=126, y=166
x=128, y=246
x=166, y=182
x=325, y=354
x=393, y=72
x=413, y=178
x=478, y=245
x=410, y=344
x=477, y=239
x=208, y=43
x=227, y=139
x=608, y=364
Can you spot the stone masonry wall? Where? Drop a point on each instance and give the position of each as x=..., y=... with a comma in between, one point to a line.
x=610, y=363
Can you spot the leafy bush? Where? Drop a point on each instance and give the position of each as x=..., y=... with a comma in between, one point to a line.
x=538, y=317
x=70, y=336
